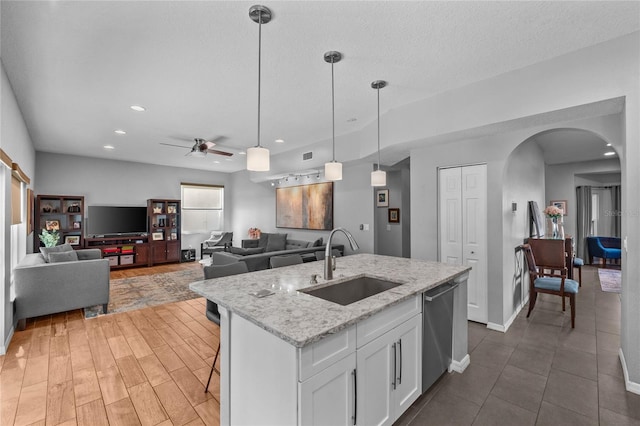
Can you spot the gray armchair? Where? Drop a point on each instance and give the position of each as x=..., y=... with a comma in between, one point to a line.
x=218, y=241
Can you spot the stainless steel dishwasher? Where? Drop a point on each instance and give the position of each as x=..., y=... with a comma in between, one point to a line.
x=437, y=331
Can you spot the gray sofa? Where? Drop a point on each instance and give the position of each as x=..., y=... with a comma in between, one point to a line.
x=50, y=283
x=256, y=253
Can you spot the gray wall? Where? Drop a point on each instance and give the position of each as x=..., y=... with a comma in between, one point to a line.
x=389, y=236
x=122, y=183
x=254, y=205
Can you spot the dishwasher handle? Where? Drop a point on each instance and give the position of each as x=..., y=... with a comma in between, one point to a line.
x=431, y=298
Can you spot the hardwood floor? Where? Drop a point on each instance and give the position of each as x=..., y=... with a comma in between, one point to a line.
x=144, y=367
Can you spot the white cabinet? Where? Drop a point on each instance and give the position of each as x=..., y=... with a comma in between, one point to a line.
x=389, y=374
x=329, y=397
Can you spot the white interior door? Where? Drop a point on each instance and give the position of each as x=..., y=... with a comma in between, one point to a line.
x=463, y=230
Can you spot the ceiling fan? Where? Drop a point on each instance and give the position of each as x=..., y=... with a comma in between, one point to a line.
x=201, y=147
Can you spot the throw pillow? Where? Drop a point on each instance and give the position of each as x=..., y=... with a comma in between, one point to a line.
x=57, y=249
x=276, y=242
x=63, y=256
x=317, y=243
x=264, y=239
x=246, y=251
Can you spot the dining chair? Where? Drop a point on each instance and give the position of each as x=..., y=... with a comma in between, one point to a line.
x=279, y=261
x=213, y=314
x=547, y=267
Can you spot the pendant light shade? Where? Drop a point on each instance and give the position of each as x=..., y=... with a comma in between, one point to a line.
x=378, y=177
x=333, y=169
x=258, y=157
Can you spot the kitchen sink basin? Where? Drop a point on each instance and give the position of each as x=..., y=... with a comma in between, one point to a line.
x=350, y=291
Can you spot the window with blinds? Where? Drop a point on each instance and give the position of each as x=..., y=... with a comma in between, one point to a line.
x=202, y=208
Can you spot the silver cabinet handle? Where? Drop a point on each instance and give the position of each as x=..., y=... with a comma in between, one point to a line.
x=400, y=347
x=355, y=396
x=394, y=366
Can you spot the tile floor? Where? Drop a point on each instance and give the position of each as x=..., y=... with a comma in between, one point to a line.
x=541, y=372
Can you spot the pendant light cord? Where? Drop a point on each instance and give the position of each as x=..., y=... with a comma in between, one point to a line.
x=333, y=114
x=259, y=68
x=378, y=90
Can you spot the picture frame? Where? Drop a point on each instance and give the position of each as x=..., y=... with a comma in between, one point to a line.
x=52, y=225
x=174, y=236
x=157, y=236
x=382, y=198
x=171, y=209
x=561, y=204
x=72, y=240
x=77, y=225
x=394, y=215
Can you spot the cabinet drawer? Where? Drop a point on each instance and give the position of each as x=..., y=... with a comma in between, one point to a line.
x=378, y=324
x=321, y=354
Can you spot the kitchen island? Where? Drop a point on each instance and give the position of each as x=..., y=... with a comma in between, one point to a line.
x=293, y=358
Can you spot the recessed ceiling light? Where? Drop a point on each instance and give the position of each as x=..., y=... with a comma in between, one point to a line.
x=216, y=162
x=242, y=153
x=109, y=147
x=608, y=144
x=138, y=108
x=610, y=153
x=120, y=132
x=279, y=140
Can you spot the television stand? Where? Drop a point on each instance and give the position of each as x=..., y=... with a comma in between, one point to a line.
x=122, y=251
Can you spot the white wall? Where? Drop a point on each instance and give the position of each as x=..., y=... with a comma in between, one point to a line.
x=16, y=143
x=388, y=237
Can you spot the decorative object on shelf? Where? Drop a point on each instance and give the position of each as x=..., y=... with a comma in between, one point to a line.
x=561, y=204
x=333, y=169
x=382, y=198
x=46, y=208
x=171, y=209
x=555, y=227
x=394, y=215
x=161, y=223
x=254, y=233
x=174, y=236
x=378, y=177
x=52, y=225
x=257, y=156
x=157, y=209
x=305, y=206
x=77, y=225
x=73, y=208
x=157, y=236
x=173, y=221
x=49, y=239
x=72, y=240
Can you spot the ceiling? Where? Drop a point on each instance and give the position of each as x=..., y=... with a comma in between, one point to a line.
x=77, y=66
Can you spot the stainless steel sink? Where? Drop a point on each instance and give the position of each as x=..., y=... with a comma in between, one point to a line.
x=348, y=292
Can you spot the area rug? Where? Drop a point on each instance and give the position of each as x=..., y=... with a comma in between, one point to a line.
x=610, y=280
x=127, y=294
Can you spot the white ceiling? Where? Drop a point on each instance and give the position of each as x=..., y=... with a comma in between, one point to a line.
x=77, y=66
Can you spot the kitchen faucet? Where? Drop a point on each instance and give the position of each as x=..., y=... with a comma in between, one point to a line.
x=328, y=259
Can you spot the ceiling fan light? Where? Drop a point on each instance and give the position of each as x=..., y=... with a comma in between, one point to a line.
x=333, y=171
x=258, y=159
x=378, y=178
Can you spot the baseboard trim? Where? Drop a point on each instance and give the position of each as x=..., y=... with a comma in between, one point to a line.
x=503, y=328
x=5, y=345
x=632, y=387
x=460, y=366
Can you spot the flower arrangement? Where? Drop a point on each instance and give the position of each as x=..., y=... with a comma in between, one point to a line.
x=49, y=238
x=254, y=233
x=553, y=212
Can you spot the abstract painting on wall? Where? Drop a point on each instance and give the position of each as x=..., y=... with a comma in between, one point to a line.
x=305, y=206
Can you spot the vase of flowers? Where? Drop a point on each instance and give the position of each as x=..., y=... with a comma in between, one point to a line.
x=254, y=233
x=49, y=238
x=555, y=227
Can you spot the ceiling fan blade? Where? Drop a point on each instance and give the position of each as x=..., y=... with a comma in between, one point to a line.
x=218, y=152
x=170, y=144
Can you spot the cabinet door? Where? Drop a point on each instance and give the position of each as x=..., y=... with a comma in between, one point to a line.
x=408, y=338
x=159, y=252
x=173, y=251
x=142, y=254
x=328, y=398
x=375, y=378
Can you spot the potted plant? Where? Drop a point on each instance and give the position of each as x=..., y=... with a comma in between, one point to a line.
x=49, y=238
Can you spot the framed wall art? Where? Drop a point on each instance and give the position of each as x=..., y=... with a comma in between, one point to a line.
x=394, y=215
x=382, y=198
x=305, y=206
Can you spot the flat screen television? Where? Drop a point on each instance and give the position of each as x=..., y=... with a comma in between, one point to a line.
x=116, y=220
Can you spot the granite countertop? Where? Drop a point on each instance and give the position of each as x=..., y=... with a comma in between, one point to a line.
x=301, y=319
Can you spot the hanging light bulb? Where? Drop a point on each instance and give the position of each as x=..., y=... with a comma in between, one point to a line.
x=333, y=169
x=378, y=177
x=257, y=156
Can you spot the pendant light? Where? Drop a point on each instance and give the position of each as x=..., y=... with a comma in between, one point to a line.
x=333, y=169
x=378, y=177
x=257, y=156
